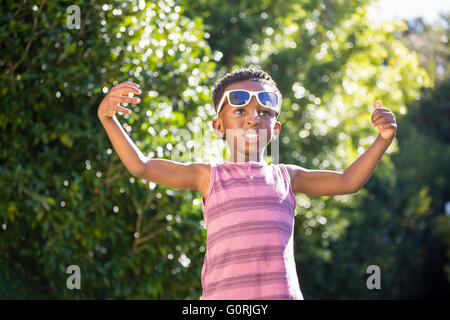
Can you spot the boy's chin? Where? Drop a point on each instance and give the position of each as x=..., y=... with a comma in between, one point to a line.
x=252, y=151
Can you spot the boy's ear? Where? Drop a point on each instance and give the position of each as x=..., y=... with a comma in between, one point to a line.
x=277, y=130
x=217, y=127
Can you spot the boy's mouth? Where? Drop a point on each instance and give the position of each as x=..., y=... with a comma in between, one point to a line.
x=251, y=137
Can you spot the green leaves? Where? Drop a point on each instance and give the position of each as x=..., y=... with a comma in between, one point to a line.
x=75, y=207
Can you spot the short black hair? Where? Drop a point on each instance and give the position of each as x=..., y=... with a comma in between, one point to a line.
x=256, y=74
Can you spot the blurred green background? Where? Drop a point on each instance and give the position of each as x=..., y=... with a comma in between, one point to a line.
x=66, y=199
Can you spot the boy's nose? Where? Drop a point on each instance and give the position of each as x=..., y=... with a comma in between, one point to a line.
x=253, y=108
x=253, y=116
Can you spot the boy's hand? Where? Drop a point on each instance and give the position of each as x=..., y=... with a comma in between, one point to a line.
x=385, y=121
x=117, y=95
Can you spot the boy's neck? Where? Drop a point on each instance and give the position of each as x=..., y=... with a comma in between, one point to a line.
x=247, y=159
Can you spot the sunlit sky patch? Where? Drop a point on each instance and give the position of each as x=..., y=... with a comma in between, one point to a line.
x=408, y=9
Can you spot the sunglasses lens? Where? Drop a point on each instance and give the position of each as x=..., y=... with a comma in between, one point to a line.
x=238, y=97
x=268, y=99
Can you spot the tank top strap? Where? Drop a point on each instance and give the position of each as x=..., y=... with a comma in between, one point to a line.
x=285, y=172
x=212, y=179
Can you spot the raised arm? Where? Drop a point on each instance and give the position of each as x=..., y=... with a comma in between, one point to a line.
x=192, y=175
x=173, y=174
x=319, y=182
x=129, y=154
x=328, y=183
x=325, y=182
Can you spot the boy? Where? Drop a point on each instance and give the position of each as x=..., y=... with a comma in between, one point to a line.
x=248, y=206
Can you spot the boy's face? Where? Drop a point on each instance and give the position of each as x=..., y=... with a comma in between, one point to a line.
x=237, y=123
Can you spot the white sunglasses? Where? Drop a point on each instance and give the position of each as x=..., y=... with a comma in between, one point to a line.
x=240, y=98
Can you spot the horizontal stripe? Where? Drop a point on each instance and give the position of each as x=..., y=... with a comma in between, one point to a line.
x=247, y=280
x=255, y=183
x=242, y=182
x=250, y=227
x=250, y=203
x=264, y=253
x=274, y=297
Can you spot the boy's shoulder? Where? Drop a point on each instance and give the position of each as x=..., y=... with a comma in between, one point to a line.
x=204, y=169
x=202, y=165
x=293, y=170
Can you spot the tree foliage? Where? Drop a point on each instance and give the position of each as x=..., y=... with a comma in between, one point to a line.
x=66, y=197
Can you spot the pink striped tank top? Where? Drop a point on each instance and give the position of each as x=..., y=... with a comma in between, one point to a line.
x=249, y=217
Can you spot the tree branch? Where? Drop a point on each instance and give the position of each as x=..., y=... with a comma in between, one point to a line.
x=27, y=47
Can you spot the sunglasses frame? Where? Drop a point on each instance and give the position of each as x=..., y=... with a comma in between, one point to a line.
x=226, y=94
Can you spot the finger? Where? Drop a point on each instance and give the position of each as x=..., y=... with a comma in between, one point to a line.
x=383, y=120
x=122, y=99
x=388, y=125
x=121, y=109
x=382, y=109
x=377, y=122
x=128, y=83
x=374, y=115
x=125, y=90
x=378, y=115
x=378, y=104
